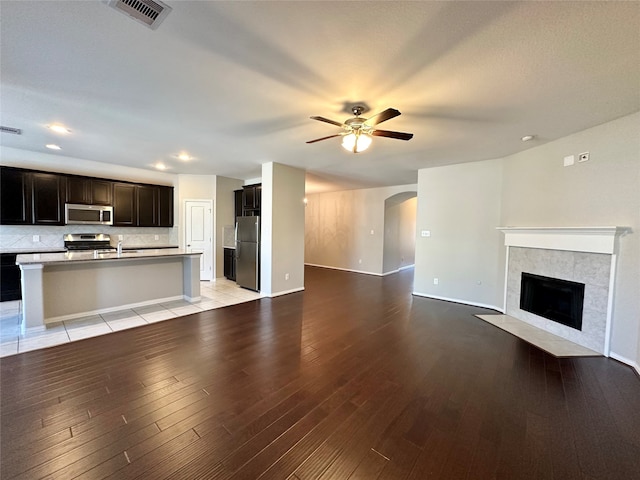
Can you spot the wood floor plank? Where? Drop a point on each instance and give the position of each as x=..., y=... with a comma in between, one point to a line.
x=352, y=378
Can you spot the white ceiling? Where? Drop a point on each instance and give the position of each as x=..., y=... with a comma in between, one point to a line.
x=234, y=83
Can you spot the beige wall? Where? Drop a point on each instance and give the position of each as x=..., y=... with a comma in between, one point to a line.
x=539, y=190
x=460, y=206
x=340, y=225
x=282, y=229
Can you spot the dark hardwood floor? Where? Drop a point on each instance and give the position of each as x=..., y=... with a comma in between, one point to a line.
x=352, y=379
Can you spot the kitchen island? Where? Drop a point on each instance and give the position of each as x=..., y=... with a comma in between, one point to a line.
x=64, y=286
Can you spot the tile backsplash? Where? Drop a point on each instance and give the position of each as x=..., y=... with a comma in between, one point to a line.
x=21, y=236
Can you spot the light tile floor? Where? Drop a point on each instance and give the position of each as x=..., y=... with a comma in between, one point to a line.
x=542, y=339
x=216, y=294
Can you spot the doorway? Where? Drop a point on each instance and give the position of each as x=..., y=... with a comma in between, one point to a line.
x=198, y=236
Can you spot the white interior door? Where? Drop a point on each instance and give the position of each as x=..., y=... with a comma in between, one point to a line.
x=199, y=234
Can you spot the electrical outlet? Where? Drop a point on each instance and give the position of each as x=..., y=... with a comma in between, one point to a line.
x=360, y=261
x=583, y=157
x=436, y=281
x=36, y=238
x=569, y=160
x=156, y=237
x=120, y=237
x=286, y=276
x=425, y=233
x=371, y=232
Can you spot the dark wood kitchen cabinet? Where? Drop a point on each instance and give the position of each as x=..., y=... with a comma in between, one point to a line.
x=165, y=207
x=230, y=263
x=124, y=205
x=147, y=199
x=91, y=191
x=48, y=198
x=15, y=197
x=10, y=274
x=251, y=199
x=33, y=197
x=237, y=202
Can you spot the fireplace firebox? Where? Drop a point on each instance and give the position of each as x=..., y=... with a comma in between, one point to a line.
x=553, y=298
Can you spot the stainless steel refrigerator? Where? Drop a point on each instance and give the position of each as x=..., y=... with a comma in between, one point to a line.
x=248, y=252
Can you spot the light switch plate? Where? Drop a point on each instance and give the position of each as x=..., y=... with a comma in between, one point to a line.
x=425, y=233
x=569, y=160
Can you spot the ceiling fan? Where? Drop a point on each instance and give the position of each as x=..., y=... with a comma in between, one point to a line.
x=358, y=131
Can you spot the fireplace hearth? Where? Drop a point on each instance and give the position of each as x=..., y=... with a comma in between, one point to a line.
x=553, y=298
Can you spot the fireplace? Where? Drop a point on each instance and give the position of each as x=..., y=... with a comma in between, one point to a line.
x=565, y=256
x=553, y=298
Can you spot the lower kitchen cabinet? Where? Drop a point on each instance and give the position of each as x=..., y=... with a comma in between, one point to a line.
x=10, y=274
x=230, y=263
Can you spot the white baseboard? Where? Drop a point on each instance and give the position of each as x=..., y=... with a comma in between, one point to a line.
x=345, y=269
x=362, y=271
x=457, y=300
x=286, y=292
x=73, y=316
x=626, y=361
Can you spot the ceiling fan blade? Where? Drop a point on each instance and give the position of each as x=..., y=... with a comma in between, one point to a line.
x=324, y=138
x=327, y=120
x=390, y=134
x=382, y=116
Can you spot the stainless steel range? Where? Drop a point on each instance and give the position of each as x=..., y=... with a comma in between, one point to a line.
x=98, y=242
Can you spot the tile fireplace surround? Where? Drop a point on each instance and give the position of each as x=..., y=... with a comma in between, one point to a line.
x=580, y=254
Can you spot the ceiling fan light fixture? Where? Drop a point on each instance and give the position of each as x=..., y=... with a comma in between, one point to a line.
x=356, y=143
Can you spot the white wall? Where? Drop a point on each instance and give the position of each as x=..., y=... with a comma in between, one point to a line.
x=282, y=229
x=59, y=163
x=539, y=191
x=339, y=226
x=460, y=206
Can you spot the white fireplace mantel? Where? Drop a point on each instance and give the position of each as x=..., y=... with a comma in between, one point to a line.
x=577, y=239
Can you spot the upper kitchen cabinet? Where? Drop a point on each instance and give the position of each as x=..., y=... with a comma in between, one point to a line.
x=147, y=197
x=124, y=205
x=251, y=197
x=165, y=207
x=91, y=191
x=142, y=205
x=48, y=198
x=237, y=202
x=31, y=198
x=15, y=197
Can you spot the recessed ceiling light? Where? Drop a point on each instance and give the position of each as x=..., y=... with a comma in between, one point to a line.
x=53, y=146
x=56, y=127
x=160, y=166
x=184, y=156
x=526, y=138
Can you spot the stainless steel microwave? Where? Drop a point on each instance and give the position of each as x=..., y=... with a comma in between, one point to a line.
x=88, y=214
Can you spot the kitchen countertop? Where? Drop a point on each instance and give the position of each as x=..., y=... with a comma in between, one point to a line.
x=83, y=256
x=147, y=246
x=20, y=251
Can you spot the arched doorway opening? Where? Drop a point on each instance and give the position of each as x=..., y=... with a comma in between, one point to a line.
x=399, y=232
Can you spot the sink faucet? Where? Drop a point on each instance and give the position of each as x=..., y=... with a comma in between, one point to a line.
x=119, y=247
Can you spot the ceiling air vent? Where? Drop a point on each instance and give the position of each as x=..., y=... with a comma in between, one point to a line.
x=148, y=12
x=15, y=131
